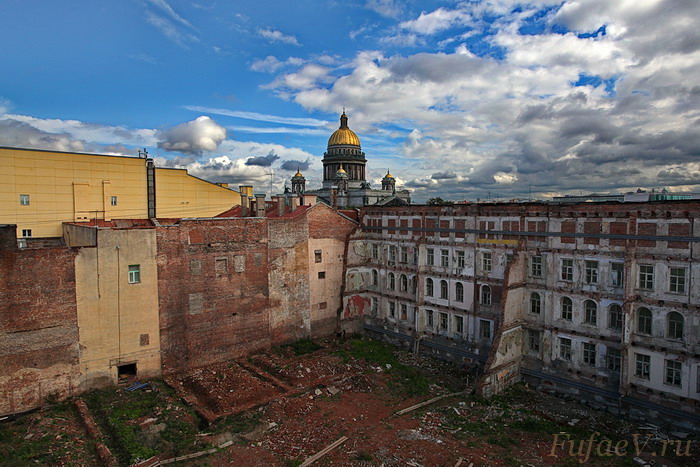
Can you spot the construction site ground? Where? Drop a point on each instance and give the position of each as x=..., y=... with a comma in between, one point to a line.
x=281, y=407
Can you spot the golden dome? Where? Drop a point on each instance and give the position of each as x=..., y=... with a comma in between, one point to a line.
x=341, y=170
x=298, y=174
x=344, y=135
x=388, y=175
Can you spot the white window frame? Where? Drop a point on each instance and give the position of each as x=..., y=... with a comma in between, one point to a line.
x=134, y=273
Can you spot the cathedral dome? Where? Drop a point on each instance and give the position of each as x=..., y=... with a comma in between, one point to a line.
x=343, y=135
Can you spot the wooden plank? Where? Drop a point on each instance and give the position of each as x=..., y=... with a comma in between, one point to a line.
x=428, y=402
x=324, y=451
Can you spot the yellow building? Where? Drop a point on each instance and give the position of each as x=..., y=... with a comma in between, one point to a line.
x=39, y=190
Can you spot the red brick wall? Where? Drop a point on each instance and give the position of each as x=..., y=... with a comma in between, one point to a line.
x=211, y=313
x=38, y=326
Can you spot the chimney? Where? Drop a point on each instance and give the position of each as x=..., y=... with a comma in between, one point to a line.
x=244, y=205
x=334, y=197
x=294, y=203
x=280, y=205
x=308, y=200
x=260, y=205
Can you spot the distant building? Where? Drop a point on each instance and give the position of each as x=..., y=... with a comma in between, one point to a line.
x=344, y=179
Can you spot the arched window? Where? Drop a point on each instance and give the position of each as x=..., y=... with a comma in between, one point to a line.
x=375, y=277
x=459, y=292
x=615, y=317
x=429, y=287
x=674, y=325
x=485, y=295
x=590, y=312
x=644, y=321
x=535, y=303
x=443, y=289
x=392, y=281
x=403, y=283
x=567, y=309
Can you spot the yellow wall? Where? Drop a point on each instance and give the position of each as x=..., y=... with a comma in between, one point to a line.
x=68, y=187
x=179, y=194
x=113, y=314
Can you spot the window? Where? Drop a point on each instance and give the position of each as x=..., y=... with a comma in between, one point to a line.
x=485, y=295
x=392, y=309
x=565, y=348
x=392, y=254
x=646, y=276
x=644, y=321
x=535, y=303
x=533, y=340
x=375, y=251
x=674, y=325
x=134, y=273
x=617, y=274
x=484, y=329
x=567, y=309
x=318, y=256
x=404, y=254
x=677, y=280
x=642, y=364
x=486, y=261
x=322, y=274
x=375, y=277
x=536, y=266
x=615, y=317
x=509, y=258
x=443, y=321
x=444, y=258
x=429, y=289
x=589, y=353
x=404, y=311
x=113, y=200
x=444, y=293
x=459, y=325
x=429, y=318
x=392, y=281
x=375, y=305
x=460, y=260
x=613, y=359
x=403, y=283
x=591, y=272
x=459, y=292
x=567, y=269
x=590, y=312
x=221, y=266
x=26, y=232
x=24, y=200
x=431, y=257
x=673, y=373
x=415, y=255
x=414, y=284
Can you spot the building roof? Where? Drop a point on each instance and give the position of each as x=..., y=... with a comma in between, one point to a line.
x=343, y=135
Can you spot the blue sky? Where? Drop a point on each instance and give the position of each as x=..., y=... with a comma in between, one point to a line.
x=461, y=99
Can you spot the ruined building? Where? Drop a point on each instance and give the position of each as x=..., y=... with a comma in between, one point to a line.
x=599, y=301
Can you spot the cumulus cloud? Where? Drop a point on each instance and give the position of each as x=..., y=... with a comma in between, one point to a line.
x=193, y=137
x=293, y=165
x=388, y=8
x=271, y=64
x=263, y=161
x=274, y=35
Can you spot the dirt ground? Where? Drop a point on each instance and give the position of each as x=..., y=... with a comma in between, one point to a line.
x=283, y=406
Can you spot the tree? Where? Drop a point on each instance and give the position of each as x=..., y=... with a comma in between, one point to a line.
x=437, y=201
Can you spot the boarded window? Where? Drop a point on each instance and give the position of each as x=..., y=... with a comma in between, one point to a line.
x=196, y=303
x=416, y=225
x=591, y=228
x=221, y=266
x=459, y=227
x=678, y=230
x=144, y=340
x=646, y=229
x=618, y=228
x=404, y=223
x=195, y=267
x=444, y=225
x=239, y=263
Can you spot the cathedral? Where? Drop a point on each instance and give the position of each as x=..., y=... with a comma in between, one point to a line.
x=344, y=183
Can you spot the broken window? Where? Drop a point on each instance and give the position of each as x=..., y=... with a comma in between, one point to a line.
x=375, y=251
x=613, y=359
x=674, y=325
x=392, y=309
x=484, y=329
x=644, y=320
x=677, y=280
x=443, y=322
x=615, y=317
x=567, y=309
x=617, y=274
x=322, y=274
x=673, y=373
x=642, y=364
x=589, y=353
x=392, y=255
x=565, y=348
x=403, y=283
x=318, y=256
x=429, y=318
x=375, y=277
x=444, y=258
x=590, y=309
x=459, y=325
x=567, y=269
x=404, y=311
x=533, y=340
x=126, y=370
x=591, y=272
x=404, y=255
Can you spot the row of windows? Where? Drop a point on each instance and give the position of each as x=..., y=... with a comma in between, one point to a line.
x=485, y=295
x=404, y=256
x=25, y=200
x=440, y=322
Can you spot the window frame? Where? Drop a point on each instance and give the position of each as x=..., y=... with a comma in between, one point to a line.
x=444, y=258
x=673, y=376
x=616, y=317
x=617, y=274
x=567, y=306
x=646, y=277
x=589, y=353
x=645, y=323
x=24, y=200
x=676, y=328
x=590, y=312
x=567, y=270
x=674, y=285
x=565, y=349
x=642, y=366
x=429, y=287
x=535, y=303
x=459, y=292
x=536, y=266
x=591, y=270
x=485, y=295
x=430, y=257
x=134, y=274
x=486, y=261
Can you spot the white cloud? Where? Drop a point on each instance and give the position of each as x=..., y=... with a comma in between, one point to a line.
x=388, y=8
x=170, y=30
x=164, y=6
x=271, y=64
x=274, y=35
x=436, y=21
x=258, y=116
x=193, y=137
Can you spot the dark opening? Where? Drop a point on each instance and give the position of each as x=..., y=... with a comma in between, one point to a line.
x=126, y=371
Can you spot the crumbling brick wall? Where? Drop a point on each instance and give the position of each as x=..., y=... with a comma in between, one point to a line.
x=38, y=326
x=213, y=291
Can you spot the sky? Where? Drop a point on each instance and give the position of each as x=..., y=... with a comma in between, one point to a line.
x=459, y=99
